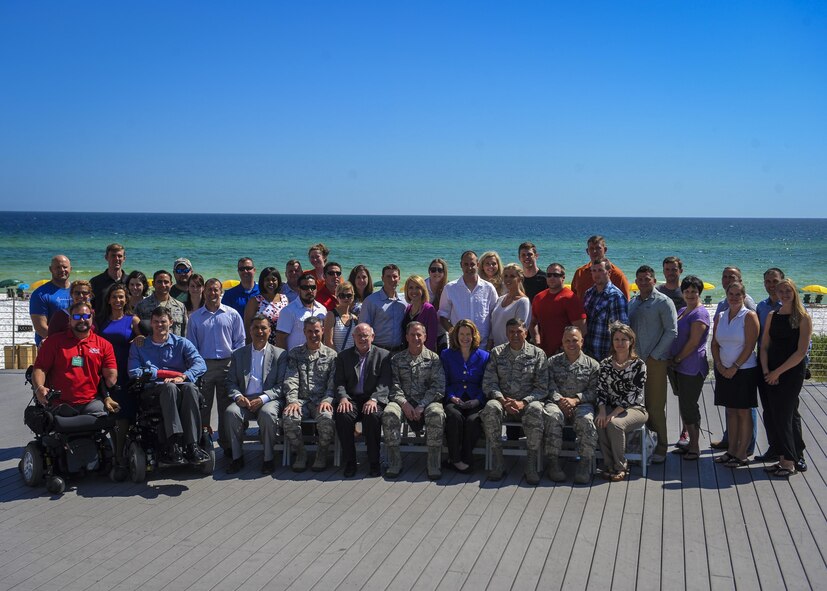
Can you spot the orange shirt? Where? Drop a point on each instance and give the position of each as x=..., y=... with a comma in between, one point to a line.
x=582, y=280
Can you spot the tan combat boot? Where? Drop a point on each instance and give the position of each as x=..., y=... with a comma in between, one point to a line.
x=553, y=470
x=434, y=462
x=394, y=462
x=320, y=462
x=531, y=475
x=300, y=463
x=583, y=475
x=496, y=471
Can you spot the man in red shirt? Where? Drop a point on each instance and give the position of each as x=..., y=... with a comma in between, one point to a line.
x=326, y=295
x=73, y=363
x=554, y=309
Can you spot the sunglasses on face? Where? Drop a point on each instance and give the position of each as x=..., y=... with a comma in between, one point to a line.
x=436, y=270
x=182, y=271
x=334, y=273
x=558, y=275
x=248, y=268
x=345, y=296
x=308, y=287
x=81, y=316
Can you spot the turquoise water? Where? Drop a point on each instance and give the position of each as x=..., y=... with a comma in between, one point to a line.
x=214, y=242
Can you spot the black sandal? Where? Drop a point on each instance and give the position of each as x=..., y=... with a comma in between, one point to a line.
x=723, y=459
x=691, y=456
x=736, y=463
x=784, y=472
x=772, y=469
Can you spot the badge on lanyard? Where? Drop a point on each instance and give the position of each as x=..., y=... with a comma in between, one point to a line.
x=77, y=361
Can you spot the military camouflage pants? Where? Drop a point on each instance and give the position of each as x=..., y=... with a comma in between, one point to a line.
x=433, y=419
x=493, y=415
x=583, y=427
x=324, y=424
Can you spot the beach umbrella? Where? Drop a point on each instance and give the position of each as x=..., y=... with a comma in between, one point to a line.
x=230, y=283
x=150, y=282
x=815, y=289
x=38, y=283
x=708, y=285
x=9, y=283
x=23, y=286
x=633, y=287
x=567, y=285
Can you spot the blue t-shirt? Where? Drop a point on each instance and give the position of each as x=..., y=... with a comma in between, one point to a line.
x=48, y=299
x=237, y=297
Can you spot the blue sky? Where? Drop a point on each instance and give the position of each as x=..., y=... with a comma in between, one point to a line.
x=695, y=108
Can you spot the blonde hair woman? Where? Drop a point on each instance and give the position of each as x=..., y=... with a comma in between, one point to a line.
x=514, y=304
x=491, y=269
x=420, y=310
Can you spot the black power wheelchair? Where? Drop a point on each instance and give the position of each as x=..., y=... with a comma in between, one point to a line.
x=66, y=443
x=146, y=438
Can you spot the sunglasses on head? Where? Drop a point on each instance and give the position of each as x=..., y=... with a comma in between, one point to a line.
x=81, y=316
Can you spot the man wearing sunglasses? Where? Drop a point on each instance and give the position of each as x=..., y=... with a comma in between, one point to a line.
x=554, y=309
x=74, y=362
x=182, y=271
x=238, y=296
x=332, y=277
x=290, y=326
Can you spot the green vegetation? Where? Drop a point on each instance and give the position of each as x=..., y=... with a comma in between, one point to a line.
x=818, y=358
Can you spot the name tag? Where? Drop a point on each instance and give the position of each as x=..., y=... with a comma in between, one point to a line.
x=77, y=361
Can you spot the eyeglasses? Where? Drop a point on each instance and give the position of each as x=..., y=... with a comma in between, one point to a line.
x=81, y=316
x=436, y=270
x=182, y=271
x=247, y=268
x=345, y=296
x=308, y=287
x=334, y=273
x=558, y=275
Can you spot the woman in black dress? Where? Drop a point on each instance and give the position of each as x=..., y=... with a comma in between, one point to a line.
x=784, y=346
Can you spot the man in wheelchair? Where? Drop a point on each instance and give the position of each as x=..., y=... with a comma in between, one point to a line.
x=172, y=365
x=73, y=363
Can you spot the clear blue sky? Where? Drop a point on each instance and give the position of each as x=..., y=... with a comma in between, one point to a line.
x=576, y=108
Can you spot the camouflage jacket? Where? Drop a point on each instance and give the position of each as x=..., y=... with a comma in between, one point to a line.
x=521, y=375
x=310, y=375
x=573, y=380
x=420, y=380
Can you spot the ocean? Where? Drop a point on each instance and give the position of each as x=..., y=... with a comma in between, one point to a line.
x=214, y=242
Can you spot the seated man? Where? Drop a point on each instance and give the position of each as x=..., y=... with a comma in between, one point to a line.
x=417, y=389
x=174, y=365
x=254, y=384
x=363, y=379
x=572, y=386
x=516, y=384
x=73, y=362
x=308, y=388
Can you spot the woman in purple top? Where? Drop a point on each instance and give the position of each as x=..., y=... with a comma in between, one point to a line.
x=688, y=368
x=416, y=292
x=464, y=363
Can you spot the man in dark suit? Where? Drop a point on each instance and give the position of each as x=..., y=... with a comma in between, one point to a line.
x=363, y=379
x=254, y=383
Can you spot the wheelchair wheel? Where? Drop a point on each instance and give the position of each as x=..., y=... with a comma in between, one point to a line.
x=31, y=465
x=56, y=485
x=137, y=462
x=207, y=445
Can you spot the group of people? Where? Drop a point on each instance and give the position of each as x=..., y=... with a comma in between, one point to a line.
x=502, y=346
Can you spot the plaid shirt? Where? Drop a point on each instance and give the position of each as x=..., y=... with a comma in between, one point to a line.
x=603, y=308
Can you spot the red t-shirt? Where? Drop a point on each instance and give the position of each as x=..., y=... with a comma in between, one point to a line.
x=554, y=312
x=77, y=384
x=325, y=298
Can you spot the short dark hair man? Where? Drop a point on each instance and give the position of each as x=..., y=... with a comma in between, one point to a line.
x=604, y=304
x=160, y=296
x=254, y=385
x=671, y=286
x=554, y=309
x=363, y=380
x=534, y=279
x=238, y=296
x=596, y=249
x=326, y=294
x=290, y=326
x=115, y=257
x=74, y=362
x=50, y=297
x=174, y=365
x=385, y=309
x=292, y=273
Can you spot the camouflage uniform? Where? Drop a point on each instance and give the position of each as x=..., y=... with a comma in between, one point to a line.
x=420, y=381
x=520, y=375
x=179, y=314
x=572, y=380
x=309, y=382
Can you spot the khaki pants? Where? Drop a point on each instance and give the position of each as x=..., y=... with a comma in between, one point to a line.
x=613, y=438
x=655, y=396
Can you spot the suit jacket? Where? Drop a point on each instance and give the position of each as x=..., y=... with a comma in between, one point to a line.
x=377, y=374
x=275, y=365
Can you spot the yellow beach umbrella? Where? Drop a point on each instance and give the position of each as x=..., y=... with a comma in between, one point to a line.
x=38, y=283
x=230, y=283
x=633, y=287
x=708, y=285
x=150, y=281
x=815, y=289
x=567, y=285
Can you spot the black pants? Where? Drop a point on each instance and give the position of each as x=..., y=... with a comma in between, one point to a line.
x=783, y=403
x=773, y=447
x=462, y=431
x=371, y=429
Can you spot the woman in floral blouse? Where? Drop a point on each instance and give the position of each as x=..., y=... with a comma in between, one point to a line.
x=620, y=400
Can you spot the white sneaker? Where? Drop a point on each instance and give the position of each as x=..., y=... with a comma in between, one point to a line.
x=684, y=440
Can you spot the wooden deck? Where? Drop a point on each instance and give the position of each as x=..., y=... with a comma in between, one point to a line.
x=692, y=525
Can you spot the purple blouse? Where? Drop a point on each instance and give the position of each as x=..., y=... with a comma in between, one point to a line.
x=695, y=363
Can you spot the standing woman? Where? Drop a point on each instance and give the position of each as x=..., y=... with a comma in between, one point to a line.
x=420, y=310
x=195, y=293
x=269, y=302
x=491, y=269
x=137, y=288
x=338, y=326
x=317, y=254
x=362, y=286
x=736, y=372
x=464, y=363
x=514, y=304
x=436, y=281
x=689, y=365
x=784, y=345
x=620, y=401
x=118, y=326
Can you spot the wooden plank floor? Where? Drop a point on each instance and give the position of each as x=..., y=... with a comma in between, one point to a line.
x=689, y=525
